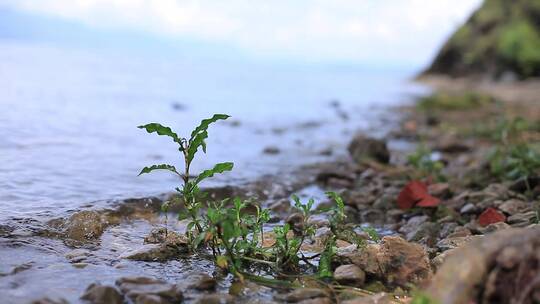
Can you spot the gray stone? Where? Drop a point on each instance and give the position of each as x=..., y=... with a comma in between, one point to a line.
x=350, y=275
x=513, y=206
x=522, y=219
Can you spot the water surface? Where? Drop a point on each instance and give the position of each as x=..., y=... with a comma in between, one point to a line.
x=68, y=118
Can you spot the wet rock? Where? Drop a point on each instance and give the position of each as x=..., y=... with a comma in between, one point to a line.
x=5, y=230
x=77, y=255
x=494, y=269
x=167, y=236
x=302, y=294
x=203, y=282
x=394, y=260
x=134, y=287
x=216, y=298
x=86, y=225
x=102, y=294
x=363, y=147
x=271, y=150
x=151, y=299
x=350, y=275
x=154, y=253
x=48, y=300
x=513, y=206
x=160, y=245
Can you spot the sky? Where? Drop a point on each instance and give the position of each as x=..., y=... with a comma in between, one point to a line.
x=355, y=31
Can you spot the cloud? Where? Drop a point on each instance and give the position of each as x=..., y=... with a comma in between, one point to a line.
x=346, y=30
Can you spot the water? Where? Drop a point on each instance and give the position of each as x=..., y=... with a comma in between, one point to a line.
x=68, y=117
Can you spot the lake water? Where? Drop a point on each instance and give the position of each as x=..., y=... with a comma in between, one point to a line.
x=68, y=119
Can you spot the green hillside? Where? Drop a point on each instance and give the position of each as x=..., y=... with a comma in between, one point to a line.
x=501, y=38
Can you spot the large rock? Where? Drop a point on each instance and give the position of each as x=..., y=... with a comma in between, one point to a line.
x=502, y=267
x=363, y=147
x=87, y=225
x=395, y=261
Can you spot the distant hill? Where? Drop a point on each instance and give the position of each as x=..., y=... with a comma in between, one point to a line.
x=500, y=40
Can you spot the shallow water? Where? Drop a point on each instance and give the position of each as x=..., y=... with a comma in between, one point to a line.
x=68, y=141
x=68, y=117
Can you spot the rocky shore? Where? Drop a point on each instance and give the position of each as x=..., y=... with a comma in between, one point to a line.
x=448, y=227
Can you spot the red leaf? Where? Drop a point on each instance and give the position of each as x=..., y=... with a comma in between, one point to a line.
x=490, y=216
x=415, y=193
x=429, y=201
x=411, y=194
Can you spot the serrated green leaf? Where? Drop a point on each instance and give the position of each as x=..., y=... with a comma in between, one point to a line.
x=218, y=168
x=159, y=167
x=206, y=122
x=161, y=130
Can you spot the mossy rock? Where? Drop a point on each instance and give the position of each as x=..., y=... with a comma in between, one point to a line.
x=502, y=37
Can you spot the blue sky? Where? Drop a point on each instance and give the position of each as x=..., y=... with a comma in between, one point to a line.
x=355, y=31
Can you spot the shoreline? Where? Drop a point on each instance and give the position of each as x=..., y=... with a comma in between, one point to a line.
x=101, y=241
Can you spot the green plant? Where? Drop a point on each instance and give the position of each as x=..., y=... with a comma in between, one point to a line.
x=514, y=162
x=514, y=158
x=233, y=229
x=422, y=160
x=190, y=192
x=446, y=101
